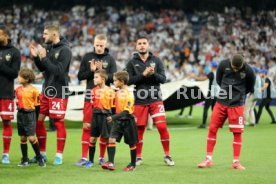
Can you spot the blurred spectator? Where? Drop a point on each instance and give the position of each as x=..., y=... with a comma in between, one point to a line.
x=178, y=38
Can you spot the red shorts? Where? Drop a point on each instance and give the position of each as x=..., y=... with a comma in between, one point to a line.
x=53, y=107
x=235, y=117
x=6, y=109
x=155, y=109
x=87, y=112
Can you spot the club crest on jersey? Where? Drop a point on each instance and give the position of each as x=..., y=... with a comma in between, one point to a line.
x=152, y=64
x=105, y=64
x=242, y=74
x=8, y=57
x=56, y=55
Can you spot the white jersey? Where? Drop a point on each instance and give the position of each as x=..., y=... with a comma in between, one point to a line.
x=257, y=88
x=215, y=87
x=272, y=74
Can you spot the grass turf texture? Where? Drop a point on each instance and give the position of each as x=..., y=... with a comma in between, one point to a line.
x=187, y=149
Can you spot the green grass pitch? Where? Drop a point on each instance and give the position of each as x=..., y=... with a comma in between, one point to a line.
x=187, y=149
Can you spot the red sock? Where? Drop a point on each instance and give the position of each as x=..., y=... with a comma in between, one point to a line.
x=237, y=143
x=61, y=136
x=7, y=135
x=102, y=144
x=164, y=136
x=85, y=142
x=139, y=145
x=41, y=135
x=211, y=140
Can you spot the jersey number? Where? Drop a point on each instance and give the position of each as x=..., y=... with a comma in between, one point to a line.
x=55, y=105
x=161, y=108
x=240, y=120
x=10, y=107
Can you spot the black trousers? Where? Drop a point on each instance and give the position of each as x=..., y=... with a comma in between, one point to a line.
x=190, y=111
x=208, y=103
x=265, y=103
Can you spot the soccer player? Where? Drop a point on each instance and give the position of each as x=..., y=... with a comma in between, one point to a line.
x=102, y=99
x=27, y=100
x=10, y=60
x=92, y=61
x=269, y=92
x=123, y=122
x=236, y=79
x=146, y=72
x=54, y=61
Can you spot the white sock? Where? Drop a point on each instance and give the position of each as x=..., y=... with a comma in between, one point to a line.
x=43, y=153
x=5, y=154
x=59, y=155
x=209, y=157
x=235, y=161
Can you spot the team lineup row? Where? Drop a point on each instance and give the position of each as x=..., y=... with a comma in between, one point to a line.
x=98, y=68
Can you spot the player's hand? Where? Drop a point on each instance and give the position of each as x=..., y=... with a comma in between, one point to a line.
x=109, y=119
x=33, y=50
x=86, y=125
x=93, y=66
x=41, y=51
x=147, y=71
x=99, y=65
x=151, y=70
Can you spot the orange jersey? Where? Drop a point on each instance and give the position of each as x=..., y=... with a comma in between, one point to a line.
x=27, y=98
x=102, y=98
x=124, y=101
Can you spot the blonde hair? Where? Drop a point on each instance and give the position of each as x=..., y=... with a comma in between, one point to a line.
x=101, y=37
x=53, y=27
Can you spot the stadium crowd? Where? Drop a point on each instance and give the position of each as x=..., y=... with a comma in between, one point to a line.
x=182, y=40
x=189, y=45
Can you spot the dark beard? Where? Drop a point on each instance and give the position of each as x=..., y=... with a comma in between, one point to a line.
x=49, y=42
x=143, y=53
